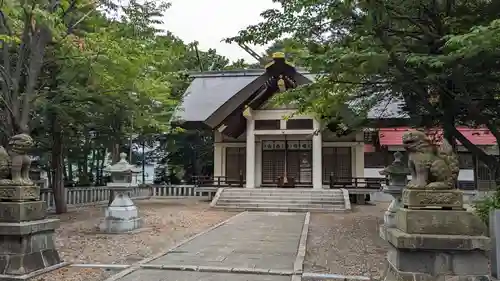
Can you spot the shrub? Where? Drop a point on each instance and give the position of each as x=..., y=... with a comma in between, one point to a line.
x=483, y=207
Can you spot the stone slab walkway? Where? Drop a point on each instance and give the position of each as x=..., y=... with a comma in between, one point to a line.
x=248, y=247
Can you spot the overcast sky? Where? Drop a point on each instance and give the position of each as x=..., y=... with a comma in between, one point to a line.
x=210, y=21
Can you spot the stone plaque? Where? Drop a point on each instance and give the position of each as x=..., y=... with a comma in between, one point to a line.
x=429, y=198
x=20, y=193
x=443, y=222
x=22, y=211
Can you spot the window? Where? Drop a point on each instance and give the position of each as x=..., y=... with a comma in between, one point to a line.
x=336, y=163
x=299, y=124
x=267, y=124
x=485, y=178
x=465, y=160
x=377, y=159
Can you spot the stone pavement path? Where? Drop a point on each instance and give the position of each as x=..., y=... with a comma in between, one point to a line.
x=248, y=247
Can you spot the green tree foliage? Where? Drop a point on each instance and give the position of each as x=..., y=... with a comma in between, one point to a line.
x=440, y=57
x=85, y=77
x=294, y=50
x=190, y=154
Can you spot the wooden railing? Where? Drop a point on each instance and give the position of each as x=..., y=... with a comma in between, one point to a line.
x=377, y=183
x=356, y=182
x=218, y=181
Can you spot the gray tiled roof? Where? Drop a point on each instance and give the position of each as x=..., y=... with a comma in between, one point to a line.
x=207, y=93
x=388, y=108
x=210, y=90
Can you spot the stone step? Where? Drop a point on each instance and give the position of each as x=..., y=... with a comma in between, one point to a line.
x=283, y=209
x=310, y=190
x=286, y=188
x=280, y=199
x=272, y=205
x=291, y=197
x=283, y=193
x=283, y=200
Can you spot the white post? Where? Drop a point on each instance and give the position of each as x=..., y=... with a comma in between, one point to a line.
x=317, y=148
x=258, y=164
x=360, y=160
x=218, y=154
x=250, y=154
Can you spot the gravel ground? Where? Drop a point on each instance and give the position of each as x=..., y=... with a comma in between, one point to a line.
x=167, y=222
x=347, y=244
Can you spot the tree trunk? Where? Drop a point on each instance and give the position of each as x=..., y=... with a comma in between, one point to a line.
x=70, y=170
x=115, y=152
x=57, y=168
x=84, y=178
x=103, y=163
x=50, y=177
x=143, y=163
x=92, y=166
x=65, y=171
x=97, y=167
x=79, y=170
x=115, y=155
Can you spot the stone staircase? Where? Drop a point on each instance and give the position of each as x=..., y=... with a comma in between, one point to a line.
x=282, y=200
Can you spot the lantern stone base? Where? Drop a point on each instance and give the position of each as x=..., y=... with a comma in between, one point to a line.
x=436, y=245
x=121, y=216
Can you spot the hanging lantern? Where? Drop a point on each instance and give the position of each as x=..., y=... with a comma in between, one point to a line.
x=281, y=84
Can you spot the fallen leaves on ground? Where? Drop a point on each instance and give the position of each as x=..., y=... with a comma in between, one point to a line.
x=347, y=244
x=166, y=223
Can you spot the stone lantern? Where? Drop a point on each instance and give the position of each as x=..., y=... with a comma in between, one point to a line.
x=121, y=215
x=397, y=175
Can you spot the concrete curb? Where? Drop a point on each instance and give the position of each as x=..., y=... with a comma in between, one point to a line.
x=216, y=197
x=298, y=265
x=137, y=266
x=218, y=269
x=339, y=277
x=35, y=273
x=347, y=201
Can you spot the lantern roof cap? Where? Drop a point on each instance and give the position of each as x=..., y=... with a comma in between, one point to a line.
x=122, y=166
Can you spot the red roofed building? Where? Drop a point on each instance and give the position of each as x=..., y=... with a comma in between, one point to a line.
x=389, y=140
x=393, y=136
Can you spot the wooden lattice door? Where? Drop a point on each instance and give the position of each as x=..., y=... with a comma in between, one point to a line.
x=298, y=157
x=235, y=163
x=337, y=162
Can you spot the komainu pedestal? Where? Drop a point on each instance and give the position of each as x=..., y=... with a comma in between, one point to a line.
x=26, y=235
x=26, y=238
x=429, y=245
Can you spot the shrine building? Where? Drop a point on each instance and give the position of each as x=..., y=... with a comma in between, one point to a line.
x=263, y=145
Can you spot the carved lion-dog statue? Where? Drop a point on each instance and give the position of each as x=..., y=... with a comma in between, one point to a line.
x=431, y=167
x=15, y=162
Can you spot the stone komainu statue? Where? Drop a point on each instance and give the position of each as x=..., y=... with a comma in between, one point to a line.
x=431, y=167
x=15, y=161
